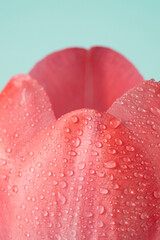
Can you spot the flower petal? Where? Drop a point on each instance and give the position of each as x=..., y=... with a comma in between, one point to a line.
x=112, y=75
x=139, y=110
x=85, y=177
x=76, y=78
x=24, y=110
x=62, y=75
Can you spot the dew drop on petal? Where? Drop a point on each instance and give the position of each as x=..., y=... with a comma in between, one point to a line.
x=8, y=150
x=88, y=214
x=144, y=215
x=63, y=184
x=100, y=209
x=100, y=224
x=70, y=173
x=61, y=199
x=118, y=141
x=76, y=142
x=114, y=123
x=111, y=151
x=67, y=130
x=156, y=194
x=104, y=190
x=31, y=153
x=45, y=214
x=130, y=148
x=15, y=188
x=81, y=165
x=74, y=119
x=110, y=164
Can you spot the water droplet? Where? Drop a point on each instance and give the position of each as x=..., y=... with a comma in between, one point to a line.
x=45, y=214
x=102, y=126
x=70, y=173
x=152, y=90
x=92, y=171
x=61, y=198
x=140, y=89
x=54, y=182
x=110, y=164
x=108, y=136
x=81, y=165
x=99, y=145
x=111, y=151
x=63, y=184
x=76, y=142
x=129, y=191
x=16, y=135
x=8, y=150
x=88, y=214
x=31, y=153
x=74, y=119
x=39, y=164
x=100, y=209
x=141, y=110
x=156, y=194
x=67, y=130
x=130, y=148
x=104, y=190
x=15, y=188
x=114, y=123
x=110, y=177
x=81, y=178
x=155, y=111
x=116, y=186
x=27, y=114
x=3, y=162
x=144, y=215
x=118, y=141
x=126, y=159
x=23, y=206
x=27, y=235
x=49, y=173
x=41, y=197
x=100, y=174
x=72, y=153
x=79, y=187
x=100, y=224
x=94, y=153
x=32, y=169
x=80, y=132
x=18, y=217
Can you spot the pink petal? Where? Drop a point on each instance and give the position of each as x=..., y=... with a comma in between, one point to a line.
x=139, y=110
x=62, y=75
x=86, y=177
x=24, y=110
x=112, y=76
x=76, y=78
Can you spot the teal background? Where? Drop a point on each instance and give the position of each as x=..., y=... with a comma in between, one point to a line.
x=31, y=29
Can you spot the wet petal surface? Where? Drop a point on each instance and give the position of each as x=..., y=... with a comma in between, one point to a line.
x=139, y=110
x=86, y=177
x=24, y=110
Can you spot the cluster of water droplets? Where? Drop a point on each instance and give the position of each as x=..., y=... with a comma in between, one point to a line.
x=94, y=186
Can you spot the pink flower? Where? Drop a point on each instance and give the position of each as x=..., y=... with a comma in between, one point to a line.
x=69, y=174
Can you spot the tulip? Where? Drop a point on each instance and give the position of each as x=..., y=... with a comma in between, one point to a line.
x=79, y=150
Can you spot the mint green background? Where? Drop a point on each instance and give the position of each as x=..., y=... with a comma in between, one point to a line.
x=31, y=29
